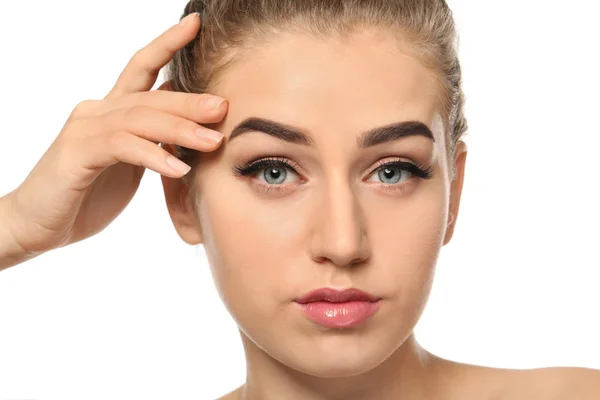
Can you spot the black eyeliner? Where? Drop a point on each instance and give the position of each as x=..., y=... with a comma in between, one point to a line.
x=253, y=167
x=421, y=171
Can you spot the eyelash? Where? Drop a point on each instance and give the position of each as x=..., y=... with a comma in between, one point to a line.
x=253, y=167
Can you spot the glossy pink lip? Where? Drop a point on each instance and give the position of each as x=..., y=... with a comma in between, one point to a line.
x=338, y=309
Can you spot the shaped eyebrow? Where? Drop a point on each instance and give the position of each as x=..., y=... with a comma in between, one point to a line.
x=372, y=137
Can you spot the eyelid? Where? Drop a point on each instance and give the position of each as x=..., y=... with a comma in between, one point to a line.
x=415, y=169
x=385, y=161
x=250, y=168
x=276, y=161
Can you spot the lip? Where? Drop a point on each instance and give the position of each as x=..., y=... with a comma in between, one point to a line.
x=338, y=309
x=336, y=296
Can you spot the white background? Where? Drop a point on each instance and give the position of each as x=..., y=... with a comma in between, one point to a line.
x=132, y=313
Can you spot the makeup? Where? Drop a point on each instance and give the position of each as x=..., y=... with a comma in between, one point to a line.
x=338, y=309
x=275, y=170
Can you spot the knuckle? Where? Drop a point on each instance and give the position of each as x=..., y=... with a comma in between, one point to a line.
x=82, y=108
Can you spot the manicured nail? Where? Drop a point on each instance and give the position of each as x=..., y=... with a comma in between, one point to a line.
x=209, y=134
x=187, y=19
x=178, y=165
x=213, y=102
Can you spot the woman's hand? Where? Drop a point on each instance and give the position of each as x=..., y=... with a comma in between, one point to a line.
x=93, y=168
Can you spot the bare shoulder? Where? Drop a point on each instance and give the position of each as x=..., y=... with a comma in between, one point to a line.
x=467, y=381
x=477, y=382
x=556, y=383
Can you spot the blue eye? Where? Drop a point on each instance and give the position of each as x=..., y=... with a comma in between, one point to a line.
x=275, y=175
x=393, y=175
x=399, y=171
x=274, y=171
x=271, y=171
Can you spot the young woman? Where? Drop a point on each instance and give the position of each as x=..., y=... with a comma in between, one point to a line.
x=324, y=174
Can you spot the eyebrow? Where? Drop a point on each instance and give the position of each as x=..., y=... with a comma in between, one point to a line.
x=372, y=137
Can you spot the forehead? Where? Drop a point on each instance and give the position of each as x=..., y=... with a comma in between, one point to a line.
x=330, y=85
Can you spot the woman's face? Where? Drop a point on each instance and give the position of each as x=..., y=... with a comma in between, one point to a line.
x=325, y=212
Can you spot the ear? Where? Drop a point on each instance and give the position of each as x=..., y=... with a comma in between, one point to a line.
x=460, y=159
x=180, y=200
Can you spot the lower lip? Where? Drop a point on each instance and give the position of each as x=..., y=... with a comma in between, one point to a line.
x=340, y=315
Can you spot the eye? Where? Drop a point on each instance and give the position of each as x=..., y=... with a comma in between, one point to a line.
x=395, y=172
x=392, y=174
x=272, y=171
x=274, y=174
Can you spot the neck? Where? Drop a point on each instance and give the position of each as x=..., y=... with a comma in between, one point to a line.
x=410, y=373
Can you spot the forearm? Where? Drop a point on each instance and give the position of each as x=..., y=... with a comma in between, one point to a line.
x=11, y=253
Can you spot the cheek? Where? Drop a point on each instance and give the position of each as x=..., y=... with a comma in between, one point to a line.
x=257, y=249
x=250, y=247
x=406, y=242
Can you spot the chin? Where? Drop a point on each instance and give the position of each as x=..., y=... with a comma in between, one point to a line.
x=333, y=355
x=334, y=365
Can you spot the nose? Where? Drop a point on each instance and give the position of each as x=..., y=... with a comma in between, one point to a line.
x=340, y=228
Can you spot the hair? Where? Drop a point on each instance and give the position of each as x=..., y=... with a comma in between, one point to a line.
x=230, y=28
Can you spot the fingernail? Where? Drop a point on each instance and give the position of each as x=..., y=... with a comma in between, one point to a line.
x=209, y=134
x=187, y=19
x=178, y=165
x=213, y=102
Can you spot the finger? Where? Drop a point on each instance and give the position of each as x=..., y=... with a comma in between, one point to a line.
x=126, y=147
x=161, y=127
x=195, y=107
x=142, y=70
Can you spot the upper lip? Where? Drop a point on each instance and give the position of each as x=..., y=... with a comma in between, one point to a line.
x=336, y=296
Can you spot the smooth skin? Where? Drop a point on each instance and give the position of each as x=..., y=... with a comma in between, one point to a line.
x=94, y=167
x=331, y=221
x=98, y=159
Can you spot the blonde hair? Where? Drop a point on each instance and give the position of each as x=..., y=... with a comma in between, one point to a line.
x=230, y=28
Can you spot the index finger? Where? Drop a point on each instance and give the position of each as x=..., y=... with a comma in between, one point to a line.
x=141, y=72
